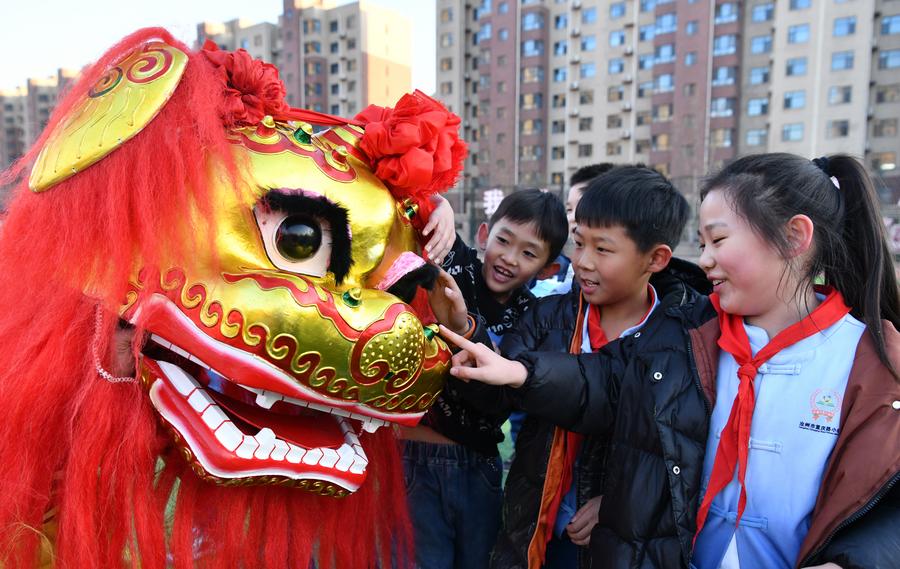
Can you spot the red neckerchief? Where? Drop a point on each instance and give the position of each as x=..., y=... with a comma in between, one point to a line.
x=734, y=445
x=595, y=330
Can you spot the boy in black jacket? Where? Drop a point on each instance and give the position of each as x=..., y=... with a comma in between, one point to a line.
x=451, y=460
x=627, y=224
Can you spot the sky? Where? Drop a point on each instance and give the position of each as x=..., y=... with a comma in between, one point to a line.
x=39, y=36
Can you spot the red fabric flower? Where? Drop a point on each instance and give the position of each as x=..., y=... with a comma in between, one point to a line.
x=414, y=148
x=253, y=88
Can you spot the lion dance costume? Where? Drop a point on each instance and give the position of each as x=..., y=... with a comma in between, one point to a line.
x=258, y=262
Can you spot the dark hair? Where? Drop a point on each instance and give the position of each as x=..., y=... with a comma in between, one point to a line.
x=849, y=245
x=589, y=172
x=639, y=199
x=541, y=208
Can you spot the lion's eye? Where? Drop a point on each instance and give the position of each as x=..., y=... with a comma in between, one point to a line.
x=298, y=237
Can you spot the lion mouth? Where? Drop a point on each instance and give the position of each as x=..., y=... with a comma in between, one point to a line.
x=248, y=434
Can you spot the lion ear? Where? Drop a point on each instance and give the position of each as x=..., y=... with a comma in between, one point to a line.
x=128, y=96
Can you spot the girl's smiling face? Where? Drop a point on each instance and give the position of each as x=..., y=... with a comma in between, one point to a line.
x=747, y=272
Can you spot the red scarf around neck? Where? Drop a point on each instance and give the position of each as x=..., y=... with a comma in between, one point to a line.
x=734, y=445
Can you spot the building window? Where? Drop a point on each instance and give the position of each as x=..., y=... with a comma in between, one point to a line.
x=795, y=99
x=724, y=75
x=759, y=75
x=643, y=118
x=660, y=142
x=691, y=28
x=645, y=61
x=665, y=53
x=585, y=124
x=532, y=48
x=646, y=33
x=889, y=59
x=558, y=127
x=588, y=70
x=690, y=58
x=844, y=26
x=645, y=89
x=589, y=15
x=758, y=107
x=885, y=127
x=586, y=97
x=501, y=86
x=561, y=21
x=532, y=21
x=792, y=132
x=560, y=47
x=616, y=66
x=722, y=137
x=722, y=107
x=532, y=101
x=558, y=101
x=664, y=83
x=890, y=25
x=446, y=63
x=559, y=74
x=615, y=93
x=756, y=137
x=333, y=24
x=484, y=33
x=689, y=89
x=557, y=152
x=502, y=8
x=840, y=94
x=662, y=113
x=761, y=44
x=503, y=34
x=841, y=60
x=616, y=38
x=532, y=126
x=446, y=40
x=446, y=16
x=725, y=45
x=446, y=88
x=762, y=12
x=726, y=12
x=589, y=43
x=532, y=74
x=666, y=23
x=613, y=149
x=800, y=4
x=585, y=150
x=313, y=47
x=613, y=121
x=648, y=5
x=796, y=66
x=884, y=161
x=798, y=33
x=335, y=88
x=616, y=10
x=887, y=93
x=837, y=128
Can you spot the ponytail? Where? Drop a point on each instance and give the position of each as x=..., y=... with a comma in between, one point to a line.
x=865, y=272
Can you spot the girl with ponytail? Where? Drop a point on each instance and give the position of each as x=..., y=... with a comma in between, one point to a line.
x=759, y=426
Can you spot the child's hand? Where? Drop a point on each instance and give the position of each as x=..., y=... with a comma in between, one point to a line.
x=479, y=362
x=448, y=305
x=583, y=522
x=442, y=228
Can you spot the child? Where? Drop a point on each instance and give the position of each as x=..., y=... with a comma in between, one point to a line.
x=628, y=222
x=451, y=459
x=561, y=282
x=792, y=443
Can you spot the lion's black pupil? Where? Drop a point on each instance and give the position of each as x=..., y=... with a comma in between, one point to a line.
x=298, y=237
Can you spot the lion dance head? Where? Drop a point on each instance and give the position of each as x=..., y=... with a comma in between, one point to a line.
x=268, y=270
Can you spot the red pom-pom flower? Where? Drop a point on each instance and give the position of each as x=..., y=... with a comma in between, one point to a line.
x=413, y=148
x=252, y=87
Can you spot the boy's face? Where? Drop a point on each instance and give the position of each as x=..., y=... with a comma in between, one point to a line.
x=575, y=193
x=608, y=265
x=513, y=255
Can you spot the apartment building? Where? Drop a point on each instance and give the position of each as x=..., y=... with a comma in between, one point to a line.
x=547, y=86
x=262, y=41
x=338, y=59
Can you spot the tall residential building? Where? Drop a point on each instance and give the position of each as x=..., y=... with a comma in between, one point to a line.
x=25, y=111
x=338, y=59
x=547, y=86
x=262, y=41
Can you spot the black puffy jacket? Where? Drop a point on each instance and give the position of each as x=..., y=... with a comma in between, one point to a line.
x=652, y=393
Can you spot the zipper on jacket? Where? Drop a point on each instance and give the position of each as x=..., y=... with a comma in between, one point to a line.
x=853, y=518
